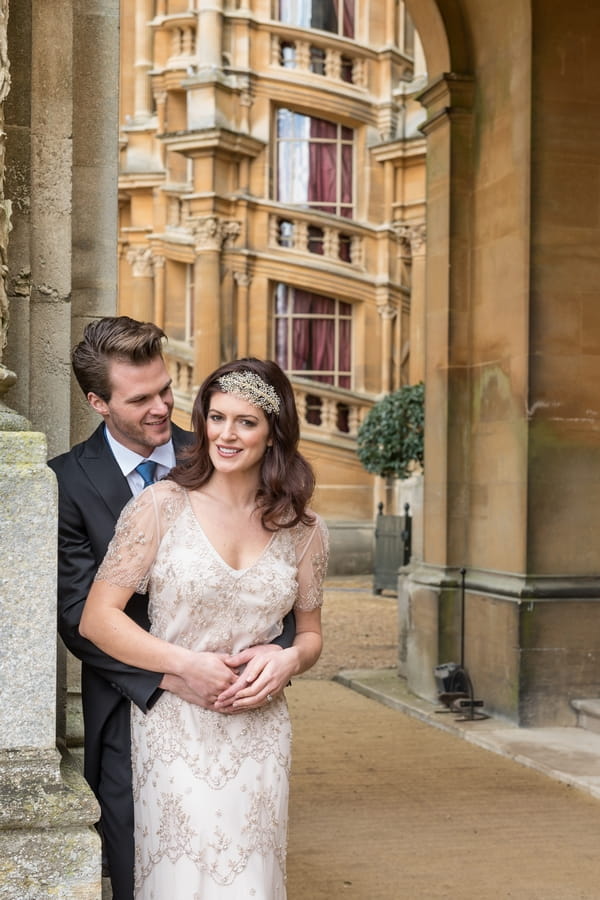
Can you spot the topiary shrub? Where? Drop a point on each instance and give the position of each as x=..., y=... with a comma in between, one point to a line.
x=390, y=439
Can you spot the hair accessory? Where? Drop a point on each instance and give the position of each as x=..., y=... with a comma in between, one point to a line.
x=252, y=388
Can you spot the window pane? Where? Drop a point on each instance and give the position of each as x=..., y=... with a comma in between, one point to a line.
x=315, y=166
x=281, y=299
x=324, y=15
x=312, y=329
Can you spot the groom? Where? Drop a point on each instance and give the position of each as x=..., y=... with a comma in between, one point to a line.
x=120, y=368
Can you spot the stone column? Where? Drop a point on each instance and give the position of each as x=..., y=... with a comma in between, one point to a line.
x=209, y=33
x=51, y=233
x=418, y=246
x=434, y=591
x=159, y=290
x=143, y=61
x=210, y=235
x=48, y=847
x=387, y=313
x=95, y=166
x=207, y=290
x=141, y=303
x=413, y=237
x=242, y=280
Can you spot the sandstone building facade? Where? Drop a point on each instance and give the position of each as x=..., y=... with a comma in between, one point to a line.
x=271, y=203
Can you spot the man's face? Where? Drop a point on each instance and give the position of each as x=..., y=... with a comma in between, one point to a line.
x=138, y=414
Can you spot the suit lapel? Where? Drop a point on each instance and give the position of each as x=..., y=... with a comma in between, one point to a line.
x=102, y=470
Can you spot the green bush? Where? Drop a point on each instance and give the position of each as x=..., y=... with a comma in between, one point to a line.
x=390, y=440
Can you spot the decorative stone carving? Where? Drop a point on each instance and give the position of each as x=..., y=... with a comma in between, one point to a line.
x=387, y=310
x=212, y=233
x=412, y=235
x=242, y=279
x=141, y=260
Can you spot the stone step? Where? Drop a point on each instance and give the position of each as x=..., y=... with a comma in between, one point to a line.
x=588, y=713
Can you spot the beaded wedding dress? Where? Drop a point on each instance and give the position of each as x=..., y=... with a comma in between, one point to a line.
x=210, y=790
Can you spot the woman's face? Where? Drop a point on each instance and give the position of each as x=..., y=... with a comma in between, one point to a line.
x=237, y=432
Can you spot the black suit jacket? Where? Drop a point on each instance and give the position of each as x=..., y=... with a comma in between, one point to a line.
x=92, y=493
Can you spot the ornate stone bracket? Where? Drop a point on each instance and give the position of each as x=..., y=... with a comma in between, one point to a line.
x=387, y=311
x=412, y=236
x=142, y=261
x=213, y=233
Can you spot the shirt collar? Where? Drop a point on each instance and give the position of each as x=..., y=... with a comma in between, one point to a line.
x=128, y=459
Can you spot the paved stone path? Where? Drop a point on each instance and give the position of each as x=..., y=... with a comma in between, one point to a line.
x=385, y=807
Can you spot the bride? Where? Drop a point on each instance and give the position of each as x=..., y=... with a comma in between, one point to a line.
x=226, y=546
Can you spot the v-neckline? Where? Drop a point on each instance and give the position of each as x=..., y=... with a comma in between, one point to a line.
x=216, y=553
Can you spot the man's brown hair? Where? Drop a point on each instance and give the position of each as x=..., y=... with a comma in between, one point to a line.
x=113, y=338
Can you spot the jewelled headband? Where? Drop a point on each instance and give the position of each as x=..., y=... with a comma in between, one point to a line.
x=252, y=388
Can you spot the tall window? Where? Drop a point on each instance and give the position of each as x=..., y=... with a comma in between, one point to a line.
x=326, y=15
x=314, y=163
x=313, y=336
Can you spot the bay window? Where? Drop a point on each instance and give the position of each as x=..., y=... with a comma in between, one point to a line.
x=314, y=163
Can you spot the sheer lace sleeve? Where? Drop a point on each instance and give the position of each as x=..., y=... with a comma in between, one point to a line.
x=312, y=554
x=139, y=531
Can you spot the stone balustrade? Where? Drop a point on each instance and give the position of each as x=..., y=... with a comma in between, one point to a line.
x=343, y=62
x=317, y=233
x=179, y=359
x=329, y=411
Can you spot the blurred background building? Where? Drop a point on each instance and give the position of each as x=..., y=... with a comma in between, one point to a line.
x=272, y=204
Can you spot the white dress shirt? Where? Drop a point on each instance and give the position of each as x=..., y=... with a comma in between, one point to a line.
x=127, y=460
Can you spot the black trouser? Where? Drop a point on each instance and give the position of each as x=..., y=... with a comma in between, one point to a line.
x=116, y=801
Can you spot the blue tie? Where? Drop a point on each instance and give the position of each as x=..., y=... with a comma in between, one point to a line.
x=147, y=470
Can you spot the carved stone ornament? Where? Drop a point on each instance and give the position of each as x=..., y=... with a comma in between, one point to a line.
x=243, y=279
x=212, y=233
x=387, y=311
x=411, y=235
x=141, y=260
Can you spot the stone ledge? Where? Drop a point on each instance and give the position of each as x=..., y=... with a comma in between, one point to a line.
x=39, y=790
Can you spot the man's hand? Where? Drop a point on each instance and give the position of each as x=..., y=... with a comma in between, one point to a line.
x=206, y=677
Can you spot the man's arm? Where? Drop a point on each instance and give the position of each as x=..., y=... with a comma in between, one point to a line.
x=286, y=638
x=77, y=565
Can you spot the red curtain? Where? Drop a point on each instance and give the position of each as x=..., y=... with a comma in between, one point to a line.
x=301, y=331
x=348, y=13
x=313, y=339
x=322, y=165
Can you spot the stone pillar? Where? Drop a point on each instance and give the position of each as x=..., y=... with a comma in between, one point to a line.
x=242, y=280
x=48, y=847
x=95, y=167
x=209, y=33
x=141, y=303
x=418, y=245
x=387, y=313
x=51, y=198
x=159, y=290
x=207, y=291
x=210, y=235
x=433, y=587
x=143, y=61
